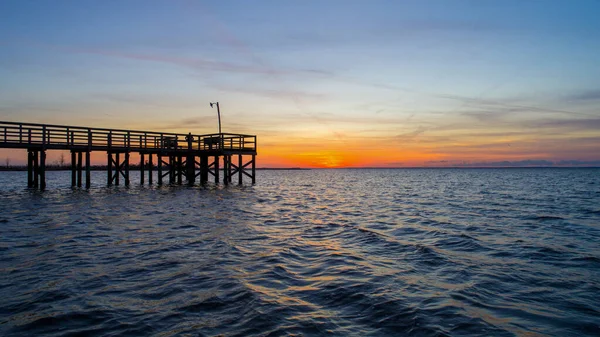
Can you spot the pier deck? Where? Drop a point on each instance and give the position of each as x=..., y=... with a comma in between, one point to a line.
x=178, y=155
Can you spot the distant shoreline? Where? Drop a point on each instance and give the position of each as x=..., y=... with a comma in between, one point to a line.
x=137, y=168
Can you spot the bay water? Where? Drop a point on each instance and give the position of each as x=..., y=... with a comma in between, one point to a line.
x=344, y=252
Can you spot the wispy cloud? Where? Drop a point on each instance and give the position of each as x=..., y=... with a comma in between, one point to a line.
x=584, y=96
x=590, y=124
x=188, y=62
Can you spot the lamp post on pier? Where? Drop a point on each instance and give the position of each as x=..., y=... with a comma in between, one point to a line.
x=218, y=114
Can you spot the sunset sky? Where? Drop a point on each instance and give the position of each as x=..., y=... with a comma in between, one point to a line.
x=321, y=83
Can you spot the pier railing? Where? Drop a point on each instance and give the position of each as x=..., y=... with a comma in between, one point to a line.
x=31, y=135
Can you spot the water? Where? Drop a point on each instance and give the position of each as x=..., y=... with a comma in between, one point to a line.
x=458, y=252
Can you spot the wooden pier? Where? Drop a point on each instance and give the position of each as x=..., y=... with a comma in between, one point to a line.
x=178, y=156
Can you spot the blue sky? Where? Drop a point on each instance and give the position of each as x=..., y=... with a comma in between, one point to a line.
x=423, y=81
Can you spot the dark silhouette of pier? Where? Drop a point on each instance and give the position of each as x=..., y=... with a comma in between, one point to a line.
x=178, y=156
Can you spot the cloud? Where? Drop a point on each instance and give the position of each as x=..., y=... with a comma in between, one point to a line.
x=585, y=96
x=592, y=124
x=272, y=93
x=188, y=62
x=411, y=136
x=492, y=115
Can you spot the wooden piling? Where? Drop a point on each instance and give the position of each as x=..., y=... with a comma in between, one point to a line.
x=110, y=170
x=216, y=169
x=126, y=168
x=42, y=169
x=159, y=167
x=117, y=168
x=73, y=169
x=203, y=169
x=225, y=171
x=88, y=173
x=171, y=169
x=142, y=167
x=179, y=169
x=79, y=168
x=190, y=169
x=253, y=169
x=150, y=169
x=240, y=169
x=230, y=162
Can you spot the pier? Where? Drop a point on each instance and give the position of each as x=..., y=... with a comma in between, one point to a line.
x=178, y=156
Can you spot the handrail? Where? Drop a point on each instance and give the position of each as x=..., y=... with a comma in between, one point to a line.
x=66, y=137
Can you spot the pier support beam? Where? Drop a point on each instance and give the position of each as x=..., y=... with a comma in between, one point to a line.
x=77, y=169
x=216, y=169
x=88, y=173
x=73, y=169
x=179, y=169
x=242, y=169
x=36, y=169
x=174, y=168
x=159, y=167
x=150, y=169
x=126, y=169
x=117, y=169
x=142, y=169
x=172, y=163
x=226, y=170
x=253, y=169
x=190, y=170
x=203, y=169
x=42, y=170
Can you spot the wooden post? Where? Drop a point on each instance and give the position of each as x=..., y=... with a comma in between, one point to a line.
x=127, y=166
x=174, y=169
x=171, y=169
x=79, y=168
x=42, y=169
x=229, y=162
x=191, y=169
x=88, y=175
x=253, y=169
x=142, y=174
x=117, y=168
x=203, y=169
x=73, y=169
x=179, y=169
x=110, y=169
x=190, y=161
x=150, y=168
x=159, y=166
x=225, y=176
x=36, y=169
x=240, y=169
x=216, y=169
